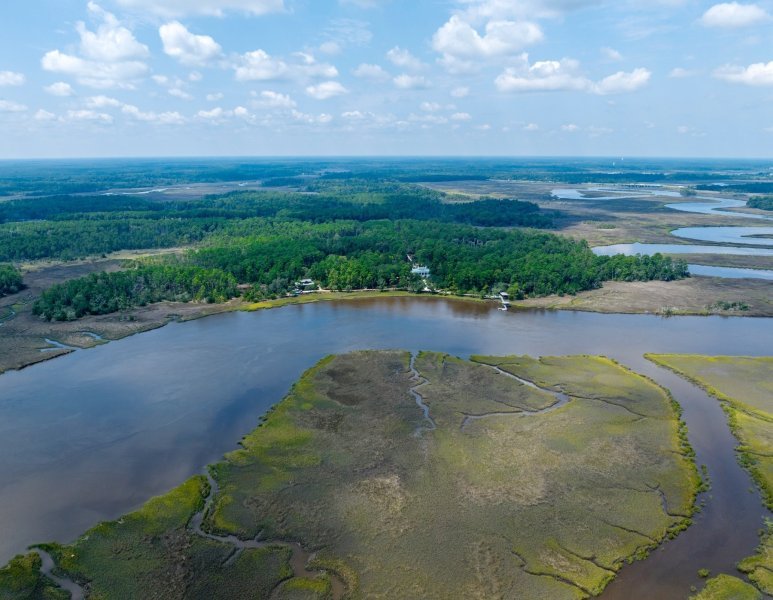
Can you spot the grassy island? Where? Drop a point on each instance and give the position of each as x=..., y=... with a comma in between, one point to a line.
x=387, y=475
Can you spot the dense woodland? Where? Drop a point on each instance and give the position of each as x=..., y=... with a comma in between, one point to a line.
x=103, y=293
x=10, y=280
x=270, y=255
x=761, y=202
x=66, y=227
x=345, y=233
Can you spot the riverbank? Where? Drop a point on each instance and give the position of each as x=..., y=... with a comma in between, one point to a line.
x=25, y=337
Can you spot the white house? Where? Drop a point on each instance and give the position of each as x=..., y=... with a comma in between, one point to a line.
x=420, y=271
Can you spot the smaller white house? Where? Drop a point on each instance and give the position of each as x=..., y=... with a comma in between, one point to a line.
x=421, y=271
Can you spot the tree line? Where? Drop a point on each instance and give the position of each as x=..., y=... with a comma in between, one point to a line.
x=270, y=255
x=10, y=280
x=761, y=202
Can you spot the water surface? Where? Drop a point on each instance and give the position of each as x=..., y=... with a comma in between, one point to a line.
x=92, y=435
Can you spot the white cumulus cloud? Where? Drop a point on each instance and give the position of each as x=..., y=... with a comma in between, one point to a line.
x=543, y=76
x=259, y=65
x=9, y=106
x=458, y=39
x=271, y=99
x=60, y=88
x=404, y=59
x=111, y=42
x=44, y=115
x=622, y=82
x=372, y=72
x=565, y=75
x=325, y=90
x=188, y=48
x=734, y=14
x=95, y=74
x=8, y=78
x=758, y=74
x=109, y=58
x=410, y=82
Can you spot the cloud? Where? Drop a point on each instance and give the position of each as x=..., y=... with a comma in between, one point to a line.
x=372, y=72
x=163, y=118
x=60, y=88
x=458, y=39
x=611, y=54
x=733, y=14
x=564, y=75
x=570, y=128
x=111, y=42
x=99, y=75
x=758, y=74
x=102, y=102
x=188, y=48
x=410, y=82
x=404, y=59
x=109, y=57
x=258, y=65
x=8, y=106
x=271, y=99
x=44, y=115
x=88, y=115
x=217, y=8
x=622, y=82
x=321, y=119
x=460, y=92
x=461, y=116
x=8, y=78
x=680, y=73
x=174, y=86
x=543, y=76
x=325, y=90
x=531, y=127
x=347, y=32
x=215, y=97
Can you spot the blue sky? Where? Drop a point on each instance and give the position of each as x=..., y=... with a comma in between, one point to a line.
x=386, y=77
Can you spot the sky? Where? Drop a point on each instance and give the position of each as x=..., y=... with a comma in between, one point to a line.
x=115, y=78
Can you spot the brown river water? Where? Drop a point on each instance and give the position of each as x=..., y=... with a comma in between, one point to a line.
x=94, y=434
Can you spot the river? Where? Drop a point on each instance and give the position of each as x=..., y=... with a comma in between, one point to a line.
x=92, y=435
x=752, y=239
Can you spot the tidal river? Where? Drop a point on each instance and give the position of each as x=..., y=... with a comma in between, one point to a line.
x=92, y=435
x=755, y=241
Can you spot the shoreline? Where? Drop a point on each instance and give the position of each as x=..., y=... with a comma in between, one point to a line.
x=629, y=298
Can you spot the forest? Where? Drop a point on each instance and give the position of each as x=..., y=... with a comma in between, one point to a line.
x=346, y=233
x=10, y=280
x=761, y=202
x=270, y=255
x=69, y=227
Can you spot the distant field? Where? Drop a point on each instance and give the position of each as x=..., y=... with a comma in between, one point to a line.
x=745, y=386
x=505, y=491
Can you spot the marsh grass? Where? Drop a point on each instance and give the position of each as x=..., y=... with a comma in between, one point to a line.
x=745, y=388
x=522, y=503
x=21, y=579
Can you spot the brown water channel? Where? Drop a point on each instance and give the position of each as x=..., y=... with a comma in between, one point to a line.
x=92, y=435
